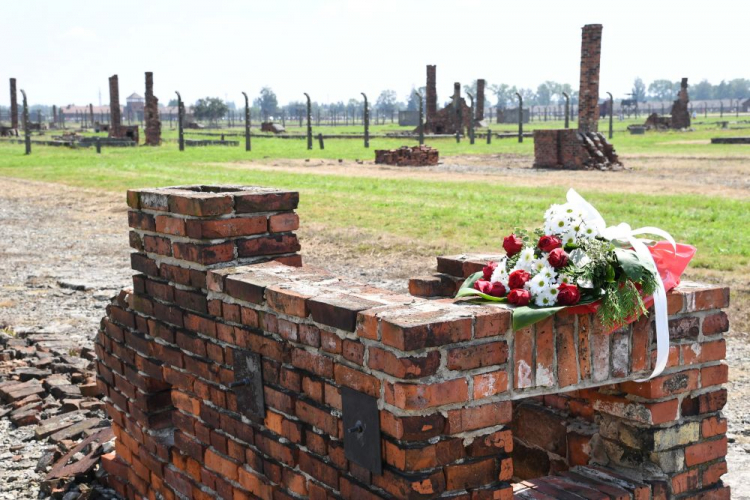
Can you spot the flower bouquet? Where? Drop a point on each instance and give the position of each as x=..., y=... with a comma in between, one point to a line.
x=576, y=261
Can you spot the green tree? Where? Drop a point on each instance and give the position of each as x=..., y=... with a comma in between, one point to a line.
x=702, y=91
x=504, y=94
x=661, y=90
x=639, y=90
x=267, y=103
x=210, y=108
x=387, y=101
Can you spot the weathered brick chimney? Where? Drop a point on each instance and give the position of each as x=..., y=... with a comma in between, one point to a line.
x=479, y=114
x=230, y=373
x=588, y=93
x=431, y=97
x=114, y=104
x=151, y=113
x=585, y=148
x=13, y=105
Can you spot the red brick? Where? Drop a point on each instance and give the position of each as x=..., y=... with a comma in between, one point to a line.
x=141, y=220
x=354, y=351
x=715, y=323
x=226, y=228
x=712, y=474
x=471, y=474
x=318, y=417
x=204, y=254
x=408, y=367
x=314, y=363
x=492, y=324
x=357, y=380
x=330, y=342
x=490, y=384
x=283, y=222
x=712, y=298
x=425, y=456
x=403, y=335
x=713, y=426
x=664, y=385
x=714, y=375
x=286, y=301
x=421, y=396
x=220, y=464
x=157, y=244
x=567, y=356
x=200, y=204
x=492, y=444
x=170, y=225
x=523, y=375
x=477, y=356
x=705, y=451
x=478, y=417
x=268, y=245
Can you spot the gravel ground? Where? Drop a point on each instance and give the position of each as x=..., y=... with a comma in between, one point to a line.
x=64, y=252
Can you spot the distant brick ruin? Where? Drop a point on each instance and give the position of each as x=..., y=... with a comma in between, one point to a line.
x=479, y=114
x=680, y=112
x=231, y=371
x=445, y=121
x=151, y=113
x=13, y=105
x=415, y=156
x=116, y=129
x=585, y=148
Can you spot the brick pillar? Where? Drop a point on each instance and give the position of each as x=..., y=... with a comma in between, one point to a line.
x=13, y=105
x=431, y=93
x=480, y=100
x=114, y=106
x=588, y=97
x=151, y=113
x=179, y=234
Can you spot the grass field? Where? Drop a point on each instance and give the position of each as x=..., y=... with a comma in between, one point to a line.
x=470, y=213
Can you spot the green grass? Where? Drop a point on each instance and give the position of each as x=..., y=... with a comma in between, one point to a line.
x=459, y=216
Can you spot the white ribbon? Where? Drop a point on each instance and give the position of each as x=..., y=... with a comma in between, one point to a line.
x=623, y=232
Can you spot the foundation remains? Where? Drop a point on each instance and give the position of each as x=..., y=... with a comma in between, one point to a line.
x=231, y=372
x=405, y=156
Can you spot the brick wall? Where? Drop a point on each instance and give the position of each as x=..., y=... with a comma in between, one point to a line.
x=588, y=94
x=212, y=290
x=405, y=156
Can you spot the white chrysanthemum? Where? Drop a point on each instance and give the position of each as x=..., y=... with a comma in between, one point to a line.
x=548, y=272
x=544, y=299
x=526, y=260
x=587, y=231
x=539, y=264
x=500, y=275
x=564, y=278
x=568, y=238
x=552, y=211
x=539, y=284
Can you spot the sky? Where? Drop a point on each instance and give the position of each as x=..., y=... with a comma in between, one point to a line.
x=62, y=52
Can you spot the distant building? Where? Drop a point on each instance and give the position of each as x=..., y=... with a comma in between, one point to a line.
x=134, y=106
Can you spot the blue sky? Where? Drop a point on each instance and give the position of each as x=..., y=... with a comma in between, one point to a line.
x=63, y=52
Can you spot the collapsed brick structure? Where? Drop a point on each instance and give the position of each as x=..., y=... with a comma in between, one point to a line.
x=230, y=372
x=13, y=105
x=680, y=112
x=587, y=148
x=405, y=156
x=151, y=113
x=116, y=129
x=445, y=121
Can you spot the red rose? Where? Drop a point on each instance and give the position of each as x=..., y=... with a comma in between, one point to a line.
x=495, y=289
x=519, y=297
x=557, y=258
x=489, y=269
x=549, y=243
x=567, y=295
x=512, y=244
x=518, y=279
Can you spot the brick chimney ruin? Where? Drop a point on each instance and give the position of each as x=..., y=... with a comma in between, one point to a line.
x=13, y=105
x=151, y=113
x=585, y=148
